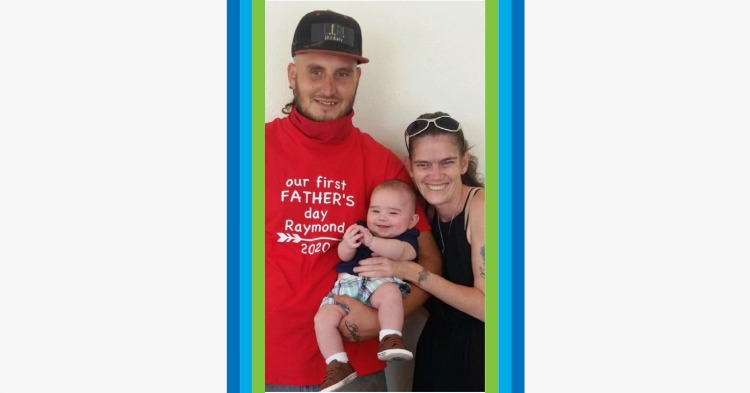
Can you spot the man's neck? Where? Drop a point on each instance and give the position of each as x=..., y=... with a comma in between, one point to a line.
x=332, y=131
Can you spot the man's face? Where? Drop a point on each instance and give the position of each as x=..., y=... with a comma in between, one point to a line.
x=324, y=85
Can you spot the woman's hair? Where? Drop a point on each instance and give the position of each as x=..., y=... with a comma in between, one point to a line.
x=470, y=178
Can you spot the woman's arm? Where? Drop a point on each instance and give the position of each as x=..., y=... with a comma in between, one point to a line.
x=429, y=259
x=467, y=299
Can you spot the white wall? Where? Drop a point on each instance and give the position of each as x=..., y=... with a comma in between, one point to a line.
x=424, y=57
x=113, y=196
x=637, y=190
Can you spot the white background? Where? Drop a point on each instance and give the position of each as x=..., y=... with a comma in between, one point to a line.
x=637, y=196
x=112, y=196
x=425, y=56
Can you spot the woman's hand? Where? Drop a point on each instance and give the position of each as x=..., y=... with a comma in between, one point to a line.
x=384, y=267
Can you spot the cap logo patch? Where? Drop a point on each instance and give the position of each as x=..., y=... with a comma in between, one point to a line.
x=332, y=32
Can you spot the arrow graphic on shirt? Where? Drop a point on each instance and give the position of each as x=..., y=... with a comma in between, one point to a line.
x=295, y=238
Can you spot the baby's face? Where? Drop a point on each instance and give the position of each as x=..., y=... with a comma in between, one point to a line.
x=391, y=213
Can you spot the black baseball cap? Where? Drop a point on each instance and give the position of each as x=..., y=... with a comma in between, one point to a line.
x=328, y=32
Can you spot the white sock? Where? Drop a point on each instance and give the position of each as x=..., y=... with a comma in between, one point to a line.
x=341, y=357
x=386, y=332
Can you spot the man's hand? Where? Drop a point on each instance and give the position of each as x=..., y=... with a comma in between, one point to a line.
x=361, y=323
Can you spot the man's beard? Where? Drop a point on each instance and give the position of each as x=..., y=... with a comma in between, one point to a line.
x=295, y=103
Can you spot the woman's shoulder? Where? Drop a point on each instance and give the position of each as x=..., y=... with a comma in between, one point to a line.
x=476, y=201
x=475, y=210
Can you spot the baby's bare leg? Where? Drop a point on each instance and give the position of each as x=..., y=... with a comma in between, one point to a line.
x=327, y=329
x=389, y=302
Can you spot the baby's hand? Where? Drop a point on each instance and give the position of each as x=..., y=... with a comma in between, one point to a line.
x=367, y=237
x=353, y=236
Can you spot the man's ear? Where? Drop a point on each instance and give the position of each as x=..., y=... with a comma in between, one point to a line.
x=291, y=74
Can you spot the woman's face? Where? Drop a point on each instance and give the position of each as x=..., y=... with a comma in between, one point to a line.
x=436, y=166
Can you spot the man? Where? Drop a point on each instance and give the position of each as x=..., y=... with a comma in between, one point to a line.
x=320, y=172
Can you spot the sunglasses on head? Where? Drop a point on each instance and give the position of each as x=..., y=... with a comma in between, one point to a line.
x=445, y=123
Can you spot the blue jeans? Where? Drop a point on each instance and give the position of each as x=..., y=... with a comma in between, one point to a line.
x=374, y=382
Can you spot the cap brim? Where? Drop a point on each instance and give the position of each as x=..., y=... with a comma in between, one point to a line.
x=360, y=59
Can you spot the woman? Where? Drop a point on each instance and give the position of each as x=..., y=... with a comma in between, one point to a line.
x=450, y=352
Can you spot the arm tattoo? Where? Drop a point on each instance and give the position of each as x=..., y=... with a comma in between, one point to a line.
x=353, y=329
x=481, y=268
x=422, y=276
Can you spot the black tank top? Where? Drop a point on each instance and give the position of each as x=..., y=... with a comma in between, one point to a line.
x=450, y=352
x=456, y=252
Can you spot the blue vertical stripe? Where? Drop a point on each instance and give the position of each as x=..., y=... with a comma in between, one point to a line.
x=238, y=196
x=511, y=195
x=245, y=202
x=505, y=211
x=517, y=195
x=233, y=355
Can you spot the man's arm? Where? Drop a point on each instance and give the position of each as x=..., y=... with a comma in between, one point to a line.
x=362, y=322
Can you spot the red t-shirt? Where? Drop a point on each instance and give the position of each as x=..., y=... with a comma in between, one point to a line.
x=319, y=177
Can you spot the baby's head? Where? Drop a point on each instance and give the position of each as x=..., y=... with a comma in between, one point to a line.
x=392, y=209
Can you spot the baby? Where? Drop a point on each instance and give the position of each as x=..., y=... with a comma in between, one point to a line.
x=389, y=233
